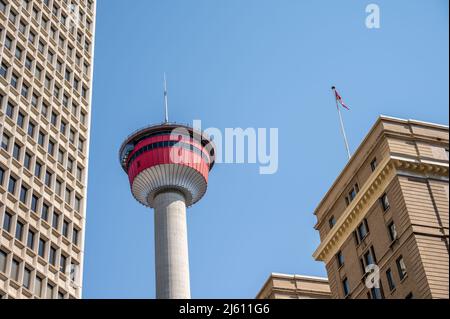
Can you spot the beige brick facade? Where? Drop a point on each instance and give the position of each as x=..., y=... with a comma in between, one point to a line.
x=389, y=208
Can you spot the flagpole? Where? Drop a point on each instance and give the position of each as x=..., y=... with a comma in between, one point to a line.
x=342, y=124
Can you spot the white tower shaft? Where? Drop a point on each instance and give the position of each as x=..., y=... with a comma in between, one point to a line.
x=171, y=247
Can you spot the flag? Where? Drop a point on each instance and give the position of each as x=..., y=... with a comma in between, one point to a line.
x=339, y=100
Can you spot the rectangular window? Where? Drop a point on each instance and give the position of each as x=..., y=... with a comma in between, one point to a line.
x=373, y=164
x=19, y=230
x=392, y=231
x=52, y=256
x=12, y=185
x=332, y=222
x=369, y=257
x=45, y=211
x=346, y=287
x=34, y=203
x=3, y=257
x=377, y=293
x=2, y=176
x=65, y=229
x=23, y=194
x=63, y=264
x=20, y=120
x=27, y=161
x=41, y=248
x=363, y=230
x=75, y=236
x=15, y=265
x=50, y=290
x=30, y=239
x=5, y=142
x=340, y=259
x=27, y=278
x=390, y=279
x=7, y=221
x=38, y=170
x=55, y=221
x=385, y=202
x=16, y=151
x=401, y=267
x=38, y=286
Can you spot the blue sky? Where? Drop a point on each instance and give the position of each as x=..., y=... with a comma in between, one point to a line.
x=248, y=63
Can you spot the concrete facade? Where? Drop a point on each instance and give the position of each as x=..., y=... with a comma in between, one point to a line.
x=171, y=247
x=389, y=208
x=282, y=286
x=46, y=69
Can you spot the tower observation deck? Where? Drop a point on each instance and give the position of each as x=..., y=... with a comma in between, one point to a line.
x=168, y=167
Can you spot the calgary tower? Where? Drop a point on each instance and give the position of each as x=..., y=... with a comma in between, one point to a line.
x=168, y=165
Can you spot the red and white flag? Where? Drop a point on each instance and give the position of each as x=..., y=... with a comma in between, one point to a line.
x=339, y=100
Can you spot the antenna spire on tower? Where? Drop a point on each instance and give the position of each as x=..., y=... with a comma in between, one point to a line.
x=166, y=104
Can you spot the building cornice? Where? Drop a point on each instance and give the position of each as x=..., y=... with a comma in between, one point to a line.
x=367, y=197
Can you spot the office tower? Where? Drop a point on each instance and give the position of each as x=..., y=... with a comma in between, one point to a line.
x=46, y=68
x=386, y=216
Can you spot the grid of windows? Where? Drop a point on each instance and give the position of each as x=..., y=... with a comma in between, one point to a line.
x=45, y=82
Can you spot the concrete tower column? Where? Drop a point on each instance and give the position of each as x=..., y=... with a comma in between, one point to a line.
x=171, y=246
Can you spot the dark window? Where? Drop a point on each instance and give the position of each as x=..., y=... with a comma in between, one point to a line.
x=27, y=278
x=340, y=259
x=346, y=287
x=7, y=220
x=409, y=296
x=385, y=202
x=12, y=185
x=30, y=239
x=373, y=164
x=48, y=179
x=75, y=236
x=23, y=194
x=19, y=230
x=3, y=257
x=41, y=248
x=65, y=229
x=369, y=257
x=401, y=267
x=44, y=212
x=2, y=175
x=10, y=110
x=38, y=170
x=390, y=279
x=363, y=230
x=5, y=142
x=34, y=203
x=55, y=220
x=332, y=222
x=377, y=293
x=16, y=151
x=27, y=160
x=52, y=256
x=20, y=120
x=392, y=231
x=15, y=270
x=62, y=264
